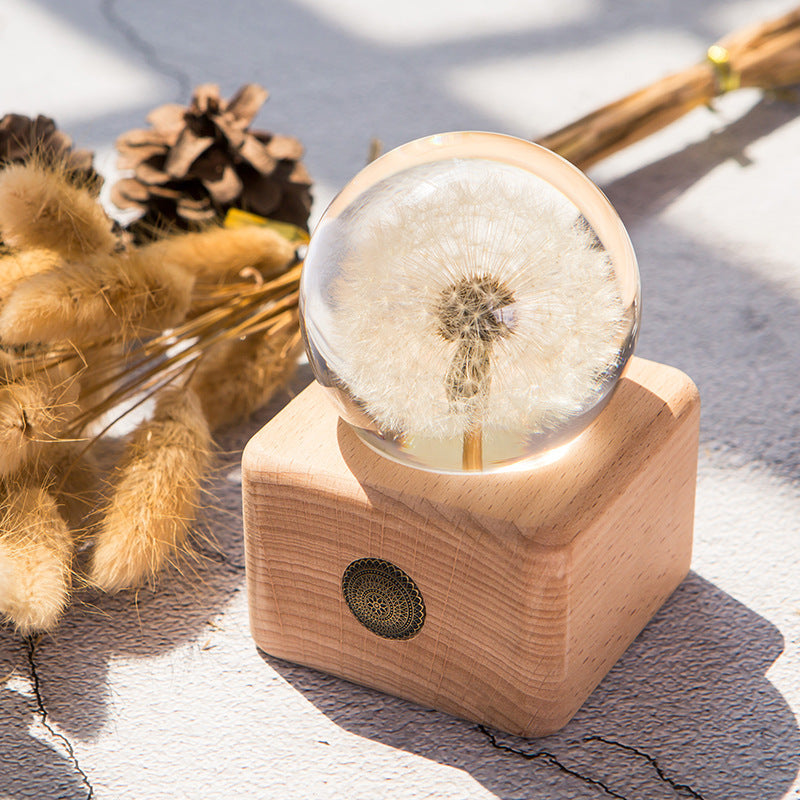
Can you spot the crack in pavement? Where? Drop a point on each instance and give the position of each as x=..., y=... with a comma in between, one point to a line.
x=150, y=53
x=31, y=647
x=550, y=759
x=679, y=787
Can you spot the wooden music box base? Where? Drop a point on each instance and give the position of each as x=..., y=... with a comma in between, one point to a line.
x=515, y=592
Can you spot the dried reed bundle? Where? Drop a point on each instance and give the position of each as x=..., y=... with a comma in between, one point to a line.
x=764, y=56
x=155, y=494
x=36, y=548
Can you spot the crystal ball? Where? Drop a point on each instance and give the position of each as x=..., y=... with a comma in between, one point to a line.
x=469, y=300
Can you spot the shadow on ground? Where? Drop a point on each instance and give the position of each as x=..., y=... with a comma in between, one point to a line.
x=686, y=712
x=28, y=766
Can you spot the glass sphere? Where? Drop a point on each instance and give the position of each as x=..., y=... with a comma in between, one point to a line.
x=470, y=301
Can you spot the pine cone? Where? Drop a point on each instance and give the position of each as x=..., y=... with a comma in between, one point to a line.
x=23, y=138
x=197, y=162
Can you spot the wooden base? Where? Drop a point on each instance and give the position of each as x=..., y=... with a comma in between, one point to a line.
x=534, y=582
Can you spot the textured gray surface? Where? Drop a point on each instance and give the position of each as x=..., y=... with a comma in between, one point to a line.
x=164, y=696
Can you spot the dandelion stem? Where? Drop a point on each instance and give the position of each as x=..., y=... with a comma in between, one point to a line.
x=472, y=449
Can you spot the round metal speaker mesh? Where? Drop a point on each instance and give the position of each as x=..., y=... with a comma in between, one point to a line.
x=383, y=598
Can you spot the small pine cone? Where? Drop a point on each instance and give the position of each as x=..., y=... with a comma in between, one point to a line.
x=23, y=138
x=195, y=163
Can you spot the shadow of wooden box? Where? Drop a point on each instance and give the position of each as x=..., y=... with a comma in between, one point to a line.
x=518, y=591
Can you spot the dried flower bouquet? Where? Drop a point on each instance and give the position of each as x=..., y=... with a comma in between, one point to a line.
x=205, y=323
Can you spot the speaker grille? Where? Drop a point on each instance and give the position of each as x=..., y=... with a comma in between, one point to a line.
x=383, y=598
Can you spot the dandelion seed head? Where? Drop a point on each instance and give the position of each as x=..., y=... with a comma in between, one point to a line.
x=466, y=292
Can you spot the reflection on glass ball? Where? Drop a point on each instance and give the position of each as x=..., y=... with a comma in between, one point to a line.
x=470, y=300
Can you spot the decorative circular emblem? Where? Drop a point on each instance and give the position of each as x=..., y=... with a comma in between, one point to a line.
x=383, y=598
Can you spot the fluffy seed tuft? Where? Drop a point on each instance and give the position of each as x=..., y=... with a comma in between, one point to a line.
x=155, y=496
x=35, y=559
x=222, y=253
x=469, y=294
x=41, y=208
x=107, y=296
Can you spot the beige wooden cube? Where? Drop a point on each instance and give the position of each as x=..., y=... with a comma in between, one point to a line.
x=501, y=598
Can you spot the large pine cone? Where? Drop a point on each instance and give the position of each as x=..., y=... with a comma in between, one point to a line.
x=23, y=138
x=197, y=162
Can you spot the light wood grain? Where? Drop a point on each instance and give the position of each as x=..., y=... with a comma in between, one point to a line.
x=534, y=582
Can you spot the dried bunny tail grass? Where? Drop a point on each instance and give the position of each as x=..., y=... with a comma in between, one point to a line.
x=155, y=495
x=72, y=473
x=118, y=296
x=33, y=414
x=9, y=366
x=222, y=253
x=17, y=447
x=237, y=377
x=23, y=263
x=36, y=550
x=245, y=308
x=41, y=208
x=103, y=368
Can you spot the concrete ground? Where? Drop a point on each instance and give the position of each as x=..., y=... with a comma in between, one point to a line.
x=163, y=695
